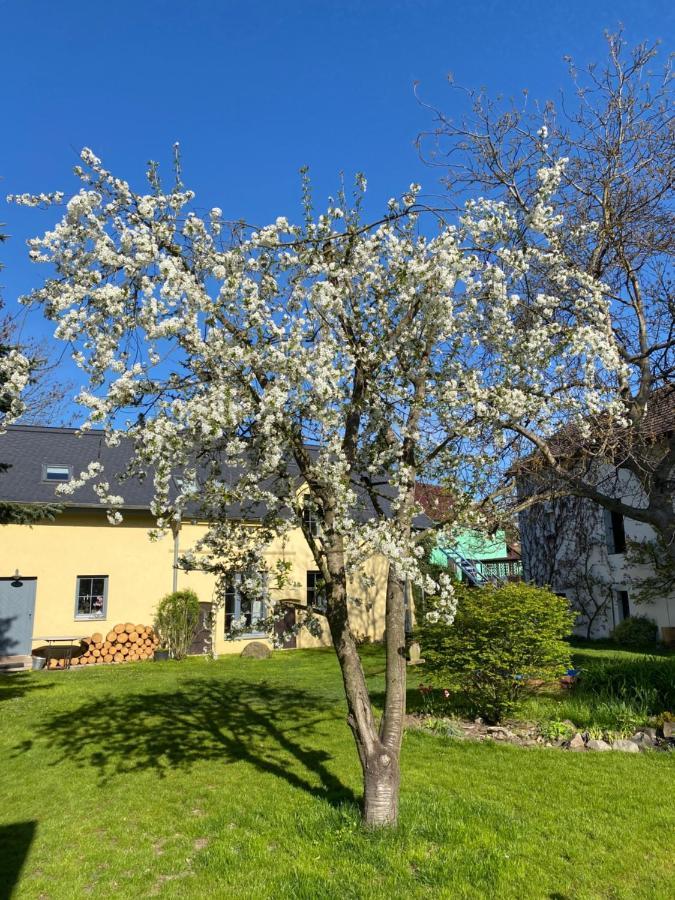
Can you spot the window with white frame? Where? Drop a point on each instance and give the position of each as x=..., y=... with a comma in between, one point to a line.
x=316, y=593
x=243, y=610
x=91, y=600
x=56, y=473
x=310, y=520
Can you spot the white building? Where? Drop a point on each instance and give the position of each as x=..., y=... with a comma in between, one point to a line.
x=600, y=560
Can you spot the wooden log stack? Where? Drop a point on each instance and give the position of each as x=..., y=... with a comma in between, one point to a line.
x=123, y=643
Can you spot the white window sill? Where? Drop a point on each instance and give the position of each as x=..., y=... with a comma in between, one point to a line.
x=249, y=636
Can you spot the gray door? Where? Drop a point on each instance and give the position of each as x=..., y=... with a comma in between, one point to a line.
x=282, y=626
x=17, y=603
x=202, y=641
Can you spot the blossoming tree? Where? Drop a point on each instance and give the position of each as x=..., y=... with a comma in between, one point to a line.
x=355, y=357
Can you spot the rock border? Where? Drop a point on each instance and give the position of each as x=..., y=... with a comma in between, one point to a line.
x=527, y=734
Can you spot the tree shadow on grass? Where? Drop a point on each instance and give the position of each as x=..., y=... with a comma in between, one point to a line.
x=275, y=729
x=15, y=841
x=17, y=684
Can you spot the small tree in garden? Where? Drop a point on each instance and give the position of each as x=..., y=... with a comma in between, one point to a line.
x=353, y=357
x=177, y=622
x=502, y=640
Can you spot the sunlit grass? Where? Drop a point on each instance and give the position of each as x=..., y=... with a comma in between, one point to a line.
x=238, y=778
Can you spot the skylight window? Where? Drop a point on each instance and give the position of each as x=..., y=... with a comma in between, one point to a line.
x=56, y=473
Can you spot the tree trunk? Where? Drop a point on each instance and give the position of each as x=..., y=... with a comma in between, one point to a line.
x=382, y=780
x=667, y=533
x=378, y=753
x=382, y=772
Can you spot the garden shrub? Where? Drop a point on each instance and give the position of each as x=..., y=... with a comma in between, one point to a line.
x=177, y=622
x=503, y=640
x=636, y=633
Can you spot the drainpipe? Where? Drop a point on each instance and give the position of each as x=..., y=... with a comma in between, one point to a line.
x=175, y=530
x=407, y=607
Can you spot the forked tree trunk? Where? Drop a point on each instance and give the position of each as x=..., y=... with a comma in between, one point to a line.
x=379, y=751
x=383, y=775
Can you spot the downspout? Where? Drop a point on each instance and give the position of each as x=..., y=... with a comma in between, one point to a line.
x=175, y=530
x=407, y=605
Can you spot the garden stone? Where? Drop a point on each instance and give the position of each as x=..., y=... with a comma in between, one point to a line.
x=642, y=739
x=625, y=746
x=668, y=729
x=499, y=733
x=650, y=733
x=256, y=650
x=577, y=743
x=599, y=746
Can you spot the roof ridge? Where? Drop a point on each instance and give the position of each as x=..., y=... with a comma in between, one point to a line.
x=56, y=429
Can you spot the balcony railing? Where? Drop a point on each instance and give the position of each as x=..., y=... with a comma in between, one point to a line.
x=505, y=569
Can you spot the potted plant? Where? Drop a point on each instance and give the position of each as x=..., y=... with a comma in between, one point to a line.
x=161, y=654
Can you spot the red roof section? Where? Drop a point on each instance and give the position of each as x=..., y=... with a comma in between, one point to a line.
x=435, y=500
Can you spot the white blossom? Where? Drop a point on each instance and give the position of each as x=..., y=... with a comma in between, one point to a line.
x=248, y=353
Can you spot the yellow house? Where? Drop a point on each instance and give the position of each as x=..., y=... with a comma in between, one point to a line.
x=78, y=574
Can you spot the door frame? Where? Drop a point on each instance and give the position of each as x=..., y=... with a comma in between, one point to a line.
x=31, y=610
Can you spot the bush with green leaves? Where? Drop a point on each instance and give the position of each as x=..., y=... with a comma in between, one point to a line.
x=177, y=622
x=503, y=641
x=636, y=633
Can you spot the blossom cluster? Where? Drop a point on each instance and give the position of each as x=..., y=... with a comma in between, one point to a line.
x=14, y=378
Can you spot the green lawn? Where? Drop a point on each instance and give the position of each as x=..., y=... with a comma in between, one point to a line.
x=628, y=699
x=238, y=778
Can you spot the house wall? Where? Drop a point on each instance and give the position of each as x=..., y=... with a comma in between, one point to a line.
x=140, y=572
x=476, y=545
x=565, y=546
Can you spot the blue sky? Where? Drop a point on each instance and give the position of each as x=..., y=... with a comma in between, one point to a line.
x=254, y=90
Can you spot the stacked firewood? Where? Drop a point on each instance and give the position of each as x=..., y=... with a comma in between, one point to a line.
x=124, y=643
